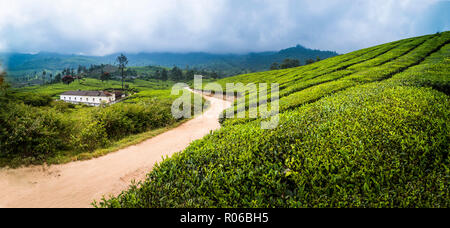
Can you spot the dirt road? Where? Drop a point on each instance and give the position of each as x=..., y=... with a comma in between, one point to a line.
x=77, y=184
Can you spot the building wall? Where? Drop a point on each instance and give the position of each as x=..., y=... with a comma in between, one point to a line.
x=91, y=100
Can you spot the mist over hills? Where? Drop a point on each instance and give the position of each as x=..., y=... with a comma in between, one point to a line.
x=18, y=64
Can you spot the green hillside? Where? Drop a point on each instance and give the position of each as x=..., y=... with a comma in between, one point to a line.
x=365, y=129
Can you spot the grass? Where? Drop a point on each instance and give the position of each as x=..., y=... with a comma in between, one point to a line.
x=94, y=84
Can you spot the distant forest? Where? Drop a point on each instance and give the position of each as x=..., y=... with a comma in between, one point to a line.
x=33, y=68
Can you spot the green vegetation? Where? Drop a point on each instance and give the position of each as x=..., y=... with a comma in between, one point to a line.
x=365, y=129
x=36, y=128
x=25, y=69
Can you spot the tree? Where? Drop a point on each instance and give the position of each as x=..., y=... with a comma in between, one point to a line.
x=289, y=63
x=43, y=77
x=214, y=75
x=275, y=66
x=51, y=78
x=309, y=61
x=3, y=85
x=79, y=73
x=176, y=74
x=123, y=61
x=190, y=74
x=164, y=75
x=2, y=77
x=67, y=79
x=105, y=76
x=58, y=78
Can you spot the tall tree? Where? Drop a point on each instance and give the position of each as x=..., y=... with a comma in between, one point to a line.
x=122, y=61
x=176, y=74
x=58, y=78
x=190, y=74
x=43, y=77
x=164, y=75
x=79, y=73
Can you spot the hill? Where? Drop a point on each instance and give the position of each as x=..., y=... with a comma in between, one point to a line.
x=229, y=64
x=365, y=129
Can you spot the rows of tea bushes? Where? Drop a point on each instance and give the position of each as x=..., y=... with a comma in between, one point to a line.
x=378, y=137
x=433, y=72
x=366, y=147
x=387, y=61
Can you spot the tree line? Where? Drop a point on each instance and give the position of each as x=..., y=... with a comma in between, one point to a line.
x=291, y=63
x=120, y=71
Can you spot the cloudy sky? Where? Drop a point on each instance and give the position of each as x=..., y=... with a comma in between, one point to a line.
x=99, y=27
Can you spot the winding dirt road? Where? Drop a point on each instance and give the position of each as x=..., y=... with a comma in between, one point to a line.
x=77, y=184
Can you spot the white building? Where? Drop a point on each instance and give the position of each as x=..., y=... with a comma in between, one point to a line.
x=94, y=98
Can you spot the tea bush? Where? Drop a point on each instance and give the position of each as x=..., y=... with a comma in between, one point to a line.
x=366, y=129
x=36, y=127
x=372, y=146
x=32, y=132
x=93, y=135
x=125, y=119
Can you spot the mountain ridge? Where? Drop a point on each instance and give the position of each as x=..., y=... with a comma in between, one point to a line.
x=20, y=63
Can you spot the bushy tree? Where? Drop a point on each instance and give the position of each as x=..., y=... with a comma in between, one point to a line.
x=3, y=85
x=290, y=63
x=309, y=61
x=58, y=78
x=275, y=66
x=67, y=79
x=214, y=75
x=2, y=77
x=105, y=76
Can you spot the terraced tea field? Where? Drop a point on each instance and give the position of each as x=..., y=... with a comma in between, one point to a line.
x=365, y=129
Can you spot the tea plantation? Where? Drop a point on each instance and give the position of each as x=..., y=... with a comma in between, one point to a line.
x=365, y=129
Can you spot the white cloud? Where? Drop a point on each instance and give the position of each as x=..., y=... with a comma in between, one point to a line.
x=107, y=26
